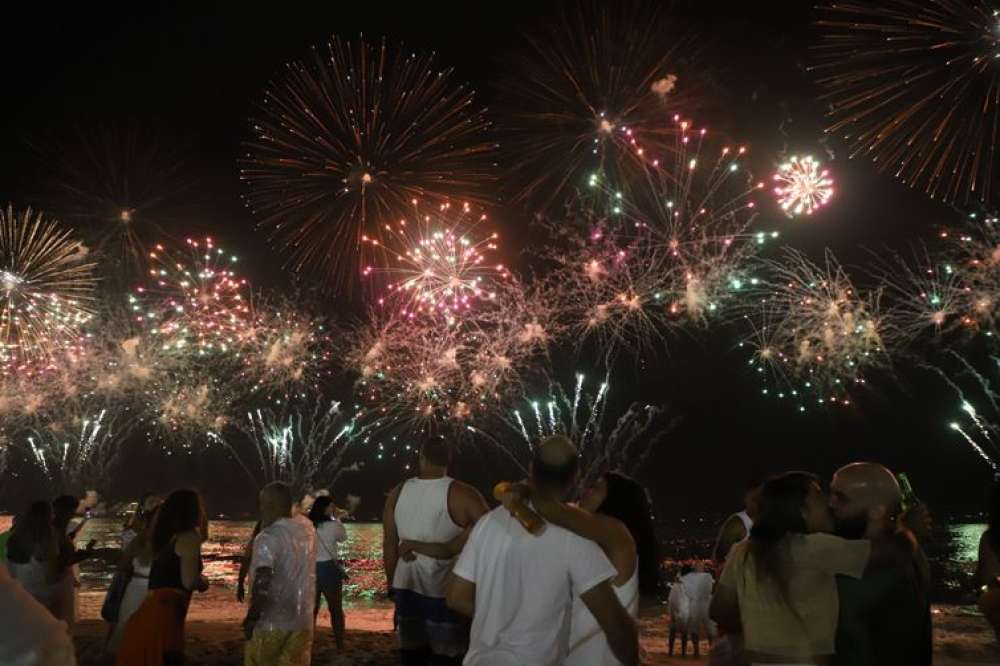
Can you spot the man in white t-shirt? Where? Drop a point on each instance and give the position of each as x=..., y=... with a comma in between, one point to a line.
x=279, y=623
x=519, y=588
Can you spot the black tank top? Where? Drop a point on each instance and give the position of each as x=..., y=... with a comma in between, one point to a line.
x=165, y=572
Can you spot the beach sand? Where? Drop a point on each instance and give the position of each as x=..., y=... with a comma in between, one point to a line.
x=214, y=637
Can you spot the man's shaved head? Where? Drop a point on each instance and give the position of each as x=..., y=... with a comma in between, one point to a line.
x=864, y=497
x=554, y=465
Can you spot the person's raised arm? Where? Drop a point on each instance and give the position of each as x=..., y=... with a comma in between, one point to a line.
x=390, y=537
x=461, y=596
x=619, y=627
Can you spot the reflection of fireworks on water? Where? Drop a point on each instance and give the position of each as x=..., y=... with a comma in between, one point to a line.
x=195, y=303
x=803, y=186
x=46, y=287
x=816, y=333
x=588, y=97
x=303, y=444
x=79, y=449
x=349, y=138
x=583, y=414
x=123, y=182
x=912, y=86
x=667, y=252
x=438, y=263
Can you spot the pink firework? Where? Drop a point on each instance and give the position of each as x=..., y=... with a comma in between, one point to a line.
x=195, y=304
x=803, y=186
x=438, y=264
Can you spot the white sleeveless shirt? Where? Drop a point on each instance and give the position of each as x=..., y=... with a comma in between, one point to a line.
x=588, y=645
x=422, y=515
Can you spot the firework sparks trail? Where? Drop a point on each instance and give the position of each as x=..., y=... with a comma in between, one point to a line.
x=911, y=86
x=303, y=444
x=583, y=417
x=81, y=449
x=350, y=138
x=974, y=444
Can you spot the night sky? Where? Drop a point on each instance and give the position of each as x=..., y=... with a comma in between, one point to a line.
x=190, y=77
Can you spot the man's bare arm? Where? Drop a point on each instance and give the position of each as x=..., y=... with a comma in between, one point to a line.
x=461, y=596
x=619, y=627
x=390, y=537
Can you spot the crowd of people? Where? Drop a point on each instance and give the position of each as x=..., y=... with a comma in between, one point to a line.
x=805, y=575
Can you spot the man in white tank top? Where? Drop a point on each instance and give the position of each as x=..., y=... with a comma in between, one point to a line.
x=431, y=508
x=737, y=526
x=728, y=649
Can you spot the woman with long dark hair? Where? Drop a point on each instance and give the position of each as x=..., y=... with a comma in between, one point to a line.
x=988, y=570
x=155, y=632
x=780, y=584
x=33, y=554
x=329, y=572
x=615, y=514
x=136, y=562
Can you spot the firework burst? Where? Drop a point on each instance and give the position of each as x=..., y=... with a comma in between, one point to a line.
x=46, y=287
x=348, y=139
x=803, y=186
x=631, y=264
x=439, y=263
x=589, y=97
x=912, y=86
x=124, y=183
x=816, y=332
x=195, y=305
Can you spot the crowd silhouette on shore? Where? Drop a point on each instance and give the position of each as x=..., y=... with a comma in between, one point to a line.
x=806, y=573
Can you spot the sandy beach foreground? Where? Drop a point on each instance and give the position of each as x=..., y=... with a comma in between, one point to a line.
x=214, y=638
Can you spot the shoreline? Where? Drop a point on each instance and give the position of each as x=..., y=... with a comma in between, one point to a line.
x=214, y=638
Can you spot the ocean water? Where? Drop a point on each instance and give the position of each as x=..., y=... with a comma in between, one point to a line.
x=953, y=552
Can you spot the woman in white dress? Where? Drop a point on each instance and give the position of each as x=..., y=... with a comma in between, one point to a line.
x=136, y=560
x=615, y=514
x=33, y=554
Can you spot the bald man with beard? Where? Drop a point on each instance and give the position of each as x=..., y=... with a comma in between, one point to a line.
x=885, y=616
